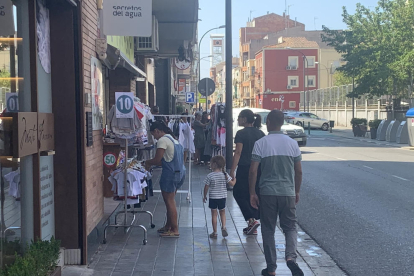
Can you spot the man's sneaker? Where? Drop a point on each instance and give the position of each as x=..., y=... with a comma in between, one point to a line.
x=294, y=268
x=245, y=230
x=253, y=227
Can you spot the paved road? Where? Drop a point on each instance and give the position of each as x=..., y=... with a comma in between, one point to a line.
x=358, y=204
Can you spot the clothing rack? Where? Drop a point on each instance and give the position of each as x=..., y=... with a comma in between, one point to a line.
x=189, y=166
x=127, y=226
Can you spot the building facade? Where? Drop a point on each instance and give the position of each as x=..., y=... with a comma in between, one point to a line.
x=280, y=70
x=64, y=68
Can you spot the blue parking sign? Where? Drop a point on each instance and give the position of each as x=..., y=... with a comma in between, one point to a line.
x=190, y=97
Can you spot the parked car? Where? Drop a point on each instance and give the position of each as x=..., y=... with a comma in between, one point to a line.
x=304, y=118
x=295, y=132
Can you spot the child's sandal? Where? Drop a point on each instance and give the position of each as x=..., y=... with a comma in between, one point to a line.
x=224, y=232
x=213, y=235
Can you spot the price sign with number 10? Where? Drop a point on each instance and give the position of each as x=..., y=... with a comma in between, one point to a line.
x=124, y=102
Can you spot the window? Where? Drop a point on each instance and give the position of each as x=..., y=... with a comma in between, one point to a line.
x=311, y=81
x=313, y=116
x=293, y=62
x=311, y=62
x=293, y=81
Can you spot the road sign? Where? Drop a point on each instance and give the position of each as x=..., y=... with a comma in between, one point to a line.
x=206, y=86
x=109, y=159
x=190, y=97
x=202, y=99
x=260, y=101
x=124, y=104
x=12, y=102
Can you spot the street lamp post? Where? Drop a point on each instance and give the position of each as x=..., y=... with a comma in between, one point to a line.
x=199, y=53
x=304, y=77
x=327, y=72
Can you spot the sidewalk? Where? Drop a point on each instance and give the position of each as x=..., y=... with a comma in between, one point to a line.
x=194, y=253
x=345, y=132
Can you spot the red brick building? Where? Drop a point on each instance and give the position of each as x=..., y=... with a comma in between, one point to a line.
x=258, y=29
x=279, y=71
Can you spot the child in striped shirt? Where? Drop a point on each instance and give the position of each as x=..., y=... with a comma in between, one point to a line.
x=215, y=184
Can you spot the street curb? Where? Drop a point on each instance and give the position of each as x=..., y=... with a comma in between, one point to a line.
x=315, y=257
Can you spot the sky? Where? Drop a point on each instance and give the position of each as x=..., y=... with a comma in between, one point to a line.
x=326, y=12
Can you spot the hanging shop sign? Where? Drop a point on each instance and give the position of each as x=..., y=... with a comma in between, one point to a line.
x=6, y=18
x=128, y=17
x=46, y=131
x=12, y=102
x=27, y=137
x=124, y=104
x=27, y=133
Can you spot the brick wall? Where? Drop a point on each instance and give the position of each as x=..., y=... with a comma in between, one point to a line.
x=93, y=154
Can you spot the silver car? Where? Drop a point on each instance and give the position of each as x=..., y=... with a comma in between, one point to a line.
x=304, y=118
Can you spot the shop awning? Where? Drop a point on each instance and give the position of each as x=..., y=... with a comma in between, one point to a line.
x=177, y=21
x=116, y=59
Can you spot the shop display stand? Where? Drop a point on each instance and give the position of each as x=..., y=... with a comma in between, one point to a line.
x=189, y=166
x=127, y=226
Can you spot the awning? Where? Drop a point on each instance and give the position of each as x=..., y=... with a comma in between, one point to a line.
x=115, y=58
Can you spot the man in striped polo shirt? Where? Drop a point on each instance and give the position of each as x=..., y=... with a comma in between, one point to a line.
x=279, y=186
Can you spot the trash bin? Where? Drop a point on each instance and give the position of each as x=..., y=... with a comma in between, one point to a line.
x=331, y=123
x=410, y=126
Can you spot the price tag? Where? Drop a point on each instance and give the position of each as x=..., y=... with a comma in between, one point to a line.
x=109, y=159
x=124, y=104
x=12, y=102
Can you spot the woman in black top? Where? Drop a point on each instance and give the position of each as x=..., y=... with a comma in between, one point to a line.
x=244, y=141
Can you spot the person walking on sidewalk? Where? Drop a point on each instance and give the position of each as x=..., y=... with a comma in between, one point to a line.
x=279, y=187
x=215, y=184
x=244, y=141
x=170, y=155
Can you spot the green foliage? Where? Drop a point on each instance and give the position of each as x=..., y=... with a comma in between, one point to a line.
x=340, y=78
x=179, y=109
x=40, y=258
x=359, y=121
x=375, y=123
x=4, y=74
x=11, y=247
x=377, y=47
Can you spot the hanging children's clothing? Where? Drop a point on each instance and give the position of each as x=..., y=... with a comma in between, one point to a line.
x=186, y=137
x=14, y=183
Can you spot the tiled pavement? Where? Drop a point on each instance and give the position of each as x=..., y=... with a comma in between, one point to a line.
x=194, y=253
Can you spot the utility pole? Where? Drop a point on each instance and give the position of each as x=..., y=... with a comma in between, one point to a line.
x=229, y=98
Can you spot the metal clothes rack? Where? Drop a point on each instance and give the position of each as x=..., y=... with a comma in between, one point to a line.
x=125, y=224
x=189, y=166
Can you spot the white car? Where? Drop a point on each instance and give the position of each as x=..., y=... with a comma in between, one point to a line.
x=300, y=118
x=295, y=132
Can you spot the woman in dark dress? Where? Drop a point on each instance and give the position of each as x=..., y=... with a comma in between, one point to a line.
x=199, y=138
x=244, y=141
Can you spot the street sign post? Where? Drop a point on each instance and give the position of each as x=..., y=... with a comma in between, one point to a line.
x=124, y=104
x=190, y=97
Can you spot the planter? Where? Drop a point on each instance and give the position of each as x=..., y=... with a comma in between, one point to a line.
x=56, y=272
x=359, y=130
x=373, y=133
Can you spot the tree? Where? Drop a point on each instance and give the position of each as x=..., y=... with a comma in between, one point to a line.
x=340, y=78
x=3, y=82
x=377, y=47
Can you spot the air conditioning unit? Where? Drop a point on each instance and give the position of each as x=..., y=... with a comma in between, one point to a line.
x=288, y=68
x=289, y=87
x=149, y=44
x=293, y=67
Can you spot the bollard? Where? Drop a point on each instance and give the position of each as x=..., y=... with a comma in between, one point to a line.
x=309, y=128
x=330, y=129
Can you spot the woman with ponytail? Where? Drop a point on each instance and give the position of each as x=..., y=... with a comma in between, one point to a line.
x=169, y=155
x=244, y=141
